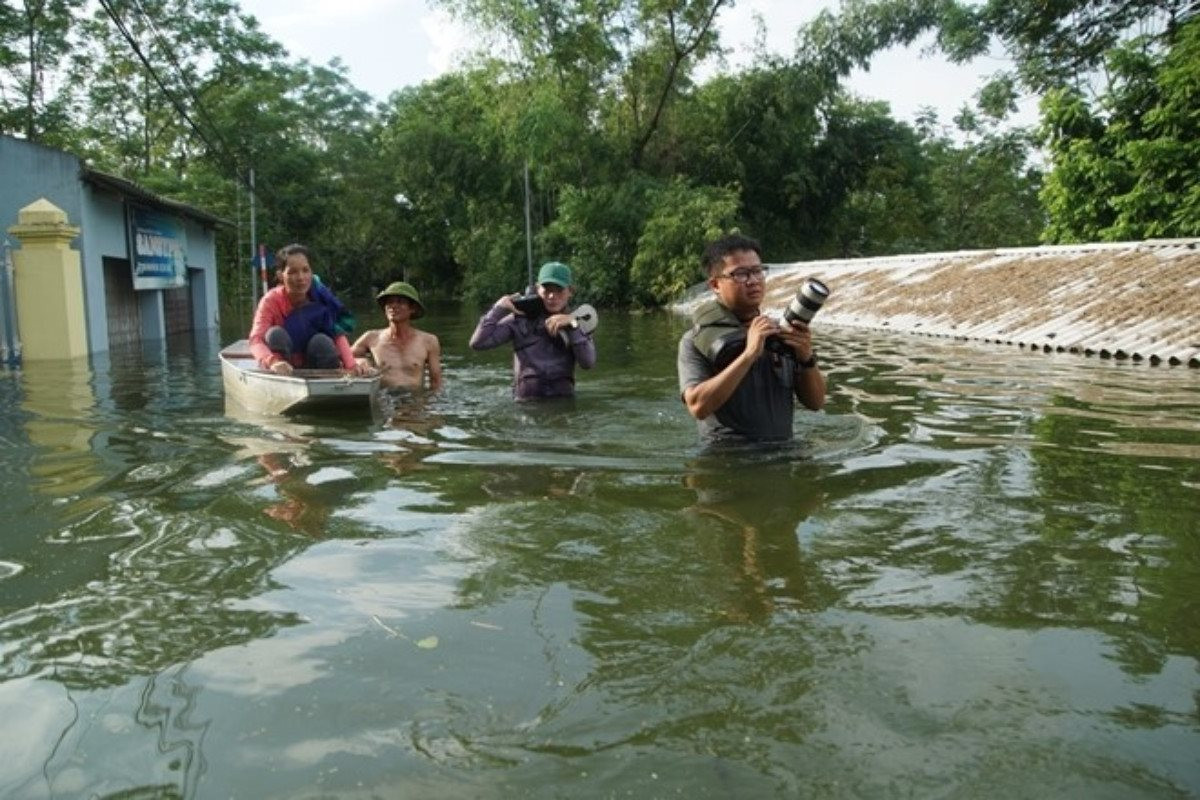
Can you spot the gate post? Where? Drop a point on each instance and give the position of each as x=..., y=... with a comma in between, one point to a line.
x=48, y=280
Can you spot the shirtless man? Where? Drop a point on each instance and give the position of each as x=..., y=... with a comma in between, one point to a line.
x=400, y=352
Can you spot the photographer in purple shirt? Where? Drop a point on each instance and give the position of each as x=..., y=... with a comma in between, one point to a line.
x=545, y=340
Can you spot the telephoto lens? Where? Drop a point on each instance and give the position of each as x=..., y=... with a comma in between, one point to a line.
x=807, y=302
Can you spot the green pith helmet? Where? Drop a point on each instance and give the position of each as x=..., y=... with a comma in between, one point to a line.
x=402, y=289
x=555, y=272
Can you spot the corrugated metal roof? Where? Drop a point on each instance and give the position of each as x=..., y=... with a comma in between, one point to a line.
x=1138, y=300
x=130, y=189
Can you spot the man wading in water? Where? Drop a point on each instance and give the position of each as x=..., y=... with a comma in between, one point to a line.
x=400, y=352
x=546, y=342
x=735, y=385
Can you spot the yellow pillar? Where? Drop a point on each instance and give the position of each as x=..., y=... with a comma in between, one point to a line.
x=48, y=283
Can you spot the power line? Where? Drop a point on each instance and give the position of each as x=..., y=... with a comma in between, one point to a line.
x=183, y=80
x=223, y=152
x=129, y=38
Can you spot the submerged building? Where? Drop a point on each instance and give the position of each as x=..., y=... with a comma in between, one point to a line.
x=1123, y=300
x=146, y=264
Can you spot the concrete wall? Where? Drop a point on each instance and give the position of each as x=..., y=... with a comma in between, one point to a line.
x=202, y=275
x=29, y=171
x=104, y=234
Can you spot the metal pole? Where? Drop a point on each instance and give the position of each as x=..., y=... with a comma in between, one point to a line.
x=262, y=266
x=10, y=348
x=237, y=251
x=253, y=248
x=528, y=235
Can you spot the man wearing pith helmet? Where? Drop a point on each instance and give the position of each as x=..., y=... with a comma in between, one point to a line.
x=547, y=344
x=402, y=354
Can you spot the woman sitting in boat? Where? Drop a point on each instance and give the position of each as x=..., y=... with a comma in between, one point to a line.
x=299, y=323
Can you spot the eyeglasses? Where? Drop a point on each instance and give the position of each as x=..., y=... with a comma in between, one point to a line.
x=744, y=274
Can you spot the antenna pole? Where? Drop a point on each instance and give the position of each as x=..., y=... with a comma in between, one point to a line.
x=528, y=239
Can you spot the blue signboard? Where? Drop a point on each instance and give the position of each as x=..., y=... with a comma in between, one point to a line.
x=159, y=250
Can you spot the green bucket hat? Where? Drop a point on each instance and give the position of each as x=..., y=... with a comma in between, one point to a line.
x=402, y=289
x=555, y=272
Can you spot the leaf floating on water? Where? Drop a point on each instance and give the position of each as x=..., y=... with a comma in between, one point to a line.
x=489, y=626
x=428, y=643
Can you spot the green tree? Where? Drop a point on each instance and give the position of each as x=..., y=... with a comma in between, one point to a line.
x=983, y=189
x=139, y=74
x=682, y=218
x=1061, y=43
x=833, y=44
x=34, y=44
x=452, y=161
x=1116, y=80
x=759, y=131
x=597, y=230
x=1164, y=200
x=1127, y=166
x=628, y=57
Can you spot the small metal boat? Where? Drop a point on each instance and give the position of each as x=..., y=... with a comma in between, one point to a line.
x=305, y=391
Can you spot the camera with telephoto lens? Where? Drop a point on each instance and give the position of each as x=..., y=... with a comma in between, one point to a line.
x=807, y=302
x=529, y=304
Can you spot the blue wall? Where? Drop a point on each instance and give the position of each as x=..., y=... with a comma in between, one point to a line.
x=30, y=171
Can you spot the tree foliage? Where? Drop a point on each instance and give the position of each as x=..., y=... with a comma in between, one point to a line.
x=982, y=188
x=1057, y=44
x=1127, y=165
x=631, y=161
x=34, y=43
x=1118, y=113
x=667, y=262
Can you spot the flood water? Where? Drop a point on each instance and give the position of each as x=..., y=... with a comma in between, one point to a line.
x=975, y=574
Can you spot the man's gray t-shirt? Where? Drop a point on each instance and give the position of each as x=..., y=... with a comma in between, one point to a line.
x=762, y=407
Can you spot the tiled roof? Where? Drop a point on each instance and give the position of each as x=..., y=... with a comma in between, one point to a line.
x=1137, y=300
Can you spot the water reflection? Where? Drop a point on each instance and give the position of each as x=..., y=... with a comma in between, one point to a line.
x=759, y=511
x=149, y=553
x=58, y=399
x=412, y=423
x=281, y=448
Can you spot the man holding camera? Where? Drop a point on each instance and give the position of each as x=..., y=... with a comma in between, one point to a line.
x=547, y=343
x=740, y=372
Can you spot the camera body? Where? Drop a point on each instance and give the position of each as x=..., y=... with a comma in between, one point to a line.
x=807, y=302
x=777, y=346
x=530, y=304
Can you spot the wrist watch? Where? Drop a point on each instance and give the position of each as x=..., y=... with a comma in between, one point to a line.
x=812, y=362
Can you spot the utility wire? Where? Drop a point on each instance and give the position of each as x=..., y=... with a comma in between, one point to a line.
x=223, y=154
x=129, y=38
x=180, y=73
